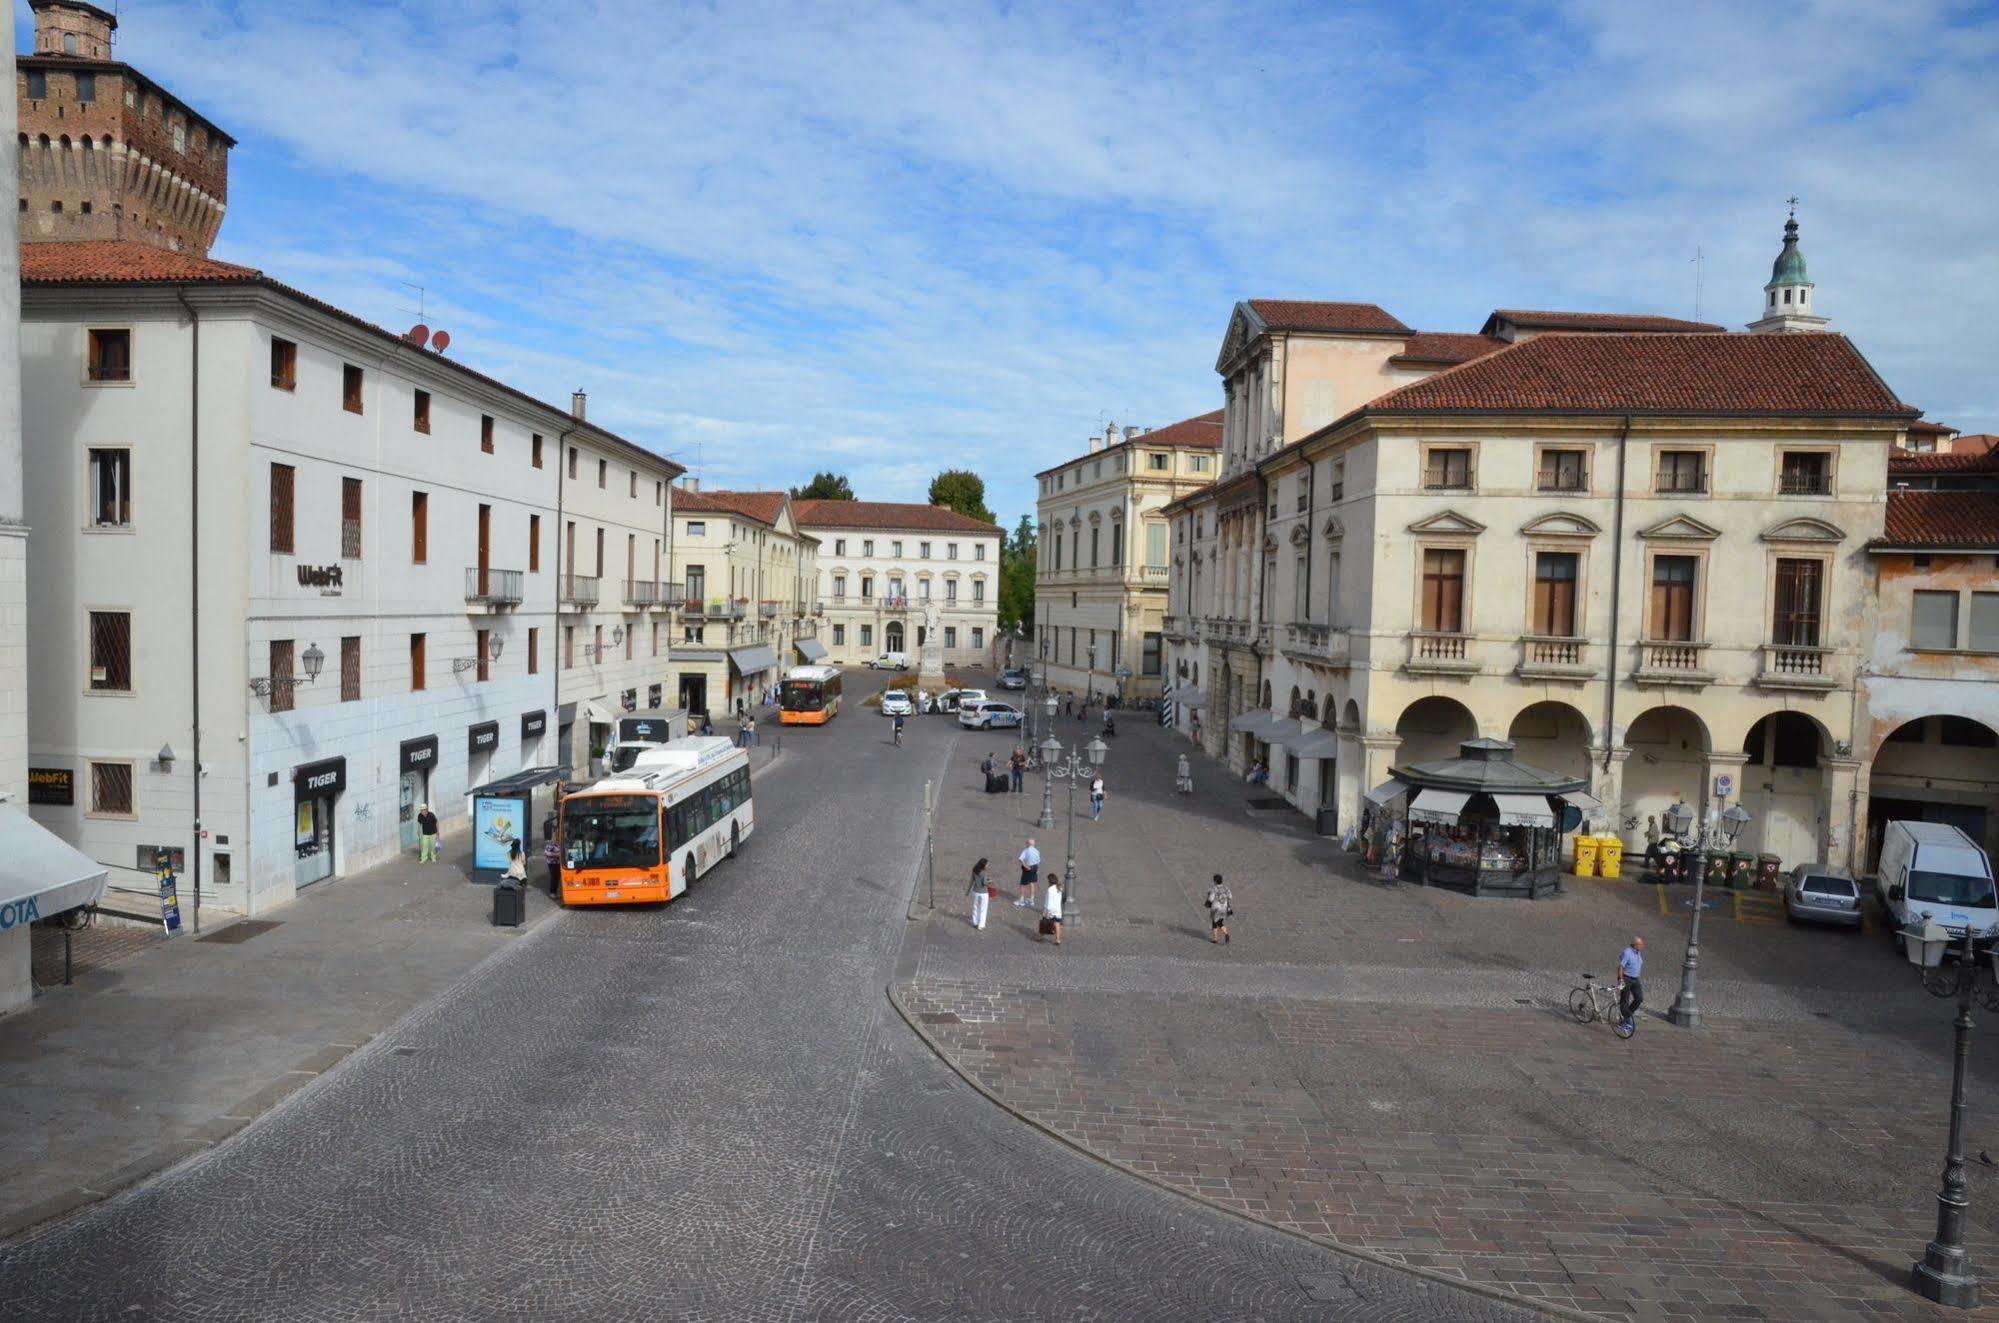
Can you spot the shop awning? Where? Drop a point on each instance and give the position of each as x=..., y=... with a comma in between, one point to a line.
x=753, y=661
x=1248, y=722
x=1524, y=810
x=1188, y=695
x=520, y=783
x=1320, y=743
x=1589, y=804
x=41, y=874
x=1282, y=730
x=1388, y=792
x=1439, y=806
x=810, y=649
x=597, y=714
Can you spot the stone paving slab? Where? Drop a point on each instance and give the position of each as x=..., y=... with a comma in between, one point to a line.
x=1390, y=1068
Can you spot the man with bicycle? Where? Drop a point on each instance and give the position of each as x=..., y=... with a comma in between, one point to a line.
x=1630, y=987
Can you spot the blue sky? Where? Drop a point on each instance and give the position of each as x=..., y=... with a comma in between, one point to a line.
x=888, y=238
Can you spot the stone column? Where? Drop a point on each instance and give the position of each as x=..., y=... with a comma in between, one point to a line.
x=1845, y=813
x=1607, y=784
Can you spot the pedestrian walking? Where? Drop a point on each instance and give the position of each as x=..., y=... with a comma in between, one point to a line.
x=1221, y=904
x=1183, y=776
x=1017, y=765
x=426, y=836
x=1068, y=703
x=1030, y=875
x=1051, y=913
x=1195, y=722
x=980, y=890
x=551, y=854
x=1630, y=986
x=1096, y=798
x=898, y=730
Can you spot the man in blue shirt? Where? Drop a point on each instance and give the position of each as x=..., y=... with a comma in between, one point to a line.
x=1631, y=988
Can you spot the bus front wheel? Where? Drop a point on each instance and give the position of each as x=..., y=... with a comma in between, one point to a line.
x=735, y=838
x=689, y=871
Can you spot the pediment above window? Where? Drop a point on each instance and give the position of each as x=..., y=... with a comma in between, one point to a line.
x=1448, y=522
x=1333, y=530
x=1300, y=535
x=1269, y=542
x=1680, y=528
x=1096, y=517
x=1075, y=521
x=1561, y=524
x=1804, y=530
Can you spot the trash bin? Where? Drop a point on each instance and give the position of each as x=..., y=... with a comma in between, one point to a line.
x=1768, y=869
x=508, y=911
x=1670, y=867
x=1609, y=857
x=1585, y=861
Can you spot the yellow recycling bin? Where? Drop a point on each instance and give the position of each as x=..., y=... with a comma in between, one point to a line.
x=1609, y=856
x=1585, y=865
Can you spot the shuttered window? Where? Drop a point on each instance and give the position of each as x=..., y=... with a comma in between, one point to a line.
x=350, y=669
x=1555, y=594
x=283, y=480
x=281, y=674
x=1934, y=624
x=419, y=528
x=1673, y=598
x=1796, y=623
x=534, y=544
x=417, y=677
x=350, y=518
x=1444, y=591
x=350, y=388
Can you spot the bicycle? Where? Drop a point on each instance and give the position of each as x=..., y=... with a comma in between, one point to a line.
x=1593, y=1001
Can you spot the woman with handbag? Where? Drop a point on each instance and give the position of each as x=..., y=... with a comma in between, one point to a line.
x=981, y=891
x=1221, y=904
x=1051, y=912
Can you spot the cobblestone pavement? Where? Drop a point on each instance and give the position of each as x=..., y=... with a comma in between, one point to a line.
x=1392, y=1068
x=705, y=1110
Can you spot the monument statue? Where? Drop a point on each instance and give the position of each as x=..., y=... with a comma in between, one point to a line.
x=930, y=653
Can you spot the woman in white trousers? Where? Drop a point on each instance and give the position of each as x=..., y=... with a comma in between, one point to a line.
x=980, y=891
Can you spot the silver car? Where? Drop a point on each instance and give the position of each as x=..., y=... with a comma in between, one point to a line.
x=1822, y=893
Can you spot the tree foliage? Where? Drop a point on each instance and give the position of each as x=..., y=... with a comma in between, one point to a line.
x=1016, y=587
x=964, y=491
x=824, y=487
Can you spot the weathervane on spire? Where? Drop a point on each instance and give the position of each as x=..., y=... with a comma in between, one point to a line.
x=1792, y=201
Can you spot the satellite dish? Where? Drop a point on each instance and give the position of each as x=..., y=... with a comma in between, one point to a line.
x=441, y=341
x=417, y=335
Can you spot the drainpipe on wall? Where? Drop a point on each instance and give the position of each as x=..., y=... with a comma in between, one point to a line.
x=1616, y=598
x=194, y=578
x=563, y=567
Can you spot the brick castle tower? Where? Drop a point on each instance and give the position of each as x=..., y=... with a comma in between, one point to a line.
x=106, y=152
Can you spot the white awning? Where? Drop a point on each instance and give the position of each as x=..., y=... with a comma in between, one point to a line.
x=753, y=661
x=1320, y=743
x=1388, y=792
x=1248, y=722
x=1589, y=804
x=1439, y=806
x=811, y=649
x=1282, y=730
x=597, y=714
x=1524, y=810
x=41, y=874
x=1192, y=697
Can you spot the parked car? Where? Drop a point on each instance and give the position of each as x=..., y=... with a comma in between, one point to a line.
x=989, y=716
x=1931, y=870
x=953, y=700
x=1822, y=893
x=1013, y=679
x=890, y=661
x=895, y=703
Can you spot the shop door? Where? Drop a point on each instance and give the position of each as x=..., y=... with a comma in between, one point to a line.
x=694, y=694
x=415, y=793
x=1328, y=783
x=313, y=840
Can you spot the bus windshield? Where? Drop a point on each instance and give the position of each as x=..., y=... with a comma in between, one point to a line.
x=802, y=695
x=610, y=831
x=1950, y=889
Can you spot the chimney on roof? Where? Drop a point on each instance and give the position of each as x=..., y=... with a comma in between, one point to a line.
x=579, y=405
x=690, y=483
x=1132, y=432
x=1096, y=443
x=1110, y=435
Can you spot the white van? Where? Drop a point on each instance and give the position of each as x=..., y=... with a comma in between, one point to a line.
x=891, y=661
x=1933, y=870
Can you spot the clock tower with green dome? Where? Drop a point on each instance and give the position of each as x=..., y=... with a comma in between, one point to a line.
x=1787, y=299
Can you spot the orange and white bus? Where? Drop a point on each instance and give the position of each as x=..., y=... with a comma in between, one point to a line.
x=809, y=695
x=646, y=833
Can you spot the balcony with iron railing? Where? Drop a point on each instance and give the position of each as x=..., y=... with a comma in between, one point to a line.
x=1804, y=482
x=493, y=589
x=672, y=596
x=767, y=610
x=641, y=592
x=1672, y=662
x=1793, y=666
x=579, y=590
x=1441, y=652
x=1307, y=642
x=1555, y=657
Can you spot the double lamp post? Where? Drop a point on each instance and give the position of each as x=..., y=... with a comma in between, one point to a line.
x=1072, y=767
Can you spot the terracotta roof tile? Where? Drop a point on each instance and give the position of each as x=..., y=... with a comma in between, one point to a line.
x=1201, y=433
x=760, y=506
x=122, y=262
x=1675, y=374
x=1903, y=461
x=1924, y=427
x=1446, y=347
x=1968, y=520
x=1299, y=315
x=889, y=515
x=1539, y=320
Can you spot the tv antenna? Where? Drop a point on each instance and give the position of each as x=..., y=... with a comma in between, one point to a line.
x=1700, y=263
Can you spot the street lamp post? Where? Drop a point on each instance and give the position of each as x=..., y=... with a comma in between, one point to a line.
x=1718, y=832
x=1049, y=750
x=1071, y=768
x=1944, y=1274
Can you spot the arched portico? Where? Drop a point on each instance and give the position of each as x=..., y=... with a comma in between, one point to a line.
x=1668, y=763
x=1552, y=736
x=1939, y=768
x=1432, y=729
x=1783, y=785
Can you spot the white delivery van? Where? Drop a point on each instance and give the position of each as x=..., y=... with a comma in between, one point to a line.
x=891, y=661
x=1933, y=869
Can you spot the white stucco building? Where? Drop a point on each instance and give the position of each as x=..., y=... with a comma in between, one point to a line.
x=296, y=576
x=746, y=584
x=883, y=564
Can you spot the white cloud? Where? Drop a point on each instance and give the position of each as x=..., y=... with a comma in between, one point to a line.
x=907, y=236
